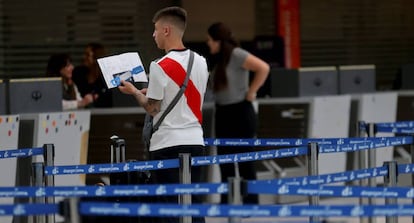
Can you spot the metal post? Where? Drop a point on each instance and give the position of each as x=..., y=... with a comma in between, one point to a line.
x=235, y=195
x=372, y=182
x=412, y=161
x=185, y=178
x=390, y=180
x=355, y=161
x=313, y=151
x=121, y=143
x=117, y=150
x=49, y=159
x=38, y=181
x=372, y=157
x=362, y=163
x=38, y=174
x=70, y=210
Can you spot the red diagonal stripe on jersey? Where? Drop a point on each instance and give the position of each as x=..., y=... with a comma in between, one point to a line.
x=177, y=73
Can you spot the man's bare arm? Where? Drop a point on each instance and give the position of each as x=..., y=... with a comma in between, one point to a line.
x=151, y=106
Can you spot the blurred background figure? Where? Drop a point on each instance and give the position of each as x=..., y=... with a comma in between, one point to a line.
x=235, y=116
x=88, y=76
x=60, y=65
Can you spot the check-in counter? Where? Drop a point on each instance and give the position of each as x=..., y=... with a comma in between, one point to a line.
x=9, y=134
x=405, y=112
x=304, y=117
x=67, y=131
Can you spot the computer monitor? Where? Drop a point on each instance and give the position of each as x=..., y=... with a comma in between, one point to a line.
x=305, y=81
x=3, y=109
x=317, y=81
x=34, y=95
x=356, y=79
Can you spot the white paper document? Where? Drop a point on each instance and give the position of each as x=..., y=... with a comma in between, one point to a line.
x=126, y=66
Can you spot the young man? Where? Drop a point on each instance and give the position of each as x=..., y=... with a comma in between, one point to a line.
x=181, y=130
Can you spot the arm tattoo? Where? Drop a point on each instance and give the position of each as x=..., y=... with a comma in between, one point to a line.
x=153, y=106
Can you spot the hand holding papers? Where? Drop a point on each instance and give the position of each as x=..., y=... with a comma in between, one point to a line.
x=126, y=66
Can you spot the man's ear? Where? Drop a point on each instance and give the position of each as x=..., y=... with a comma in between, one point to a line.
x=166, y=30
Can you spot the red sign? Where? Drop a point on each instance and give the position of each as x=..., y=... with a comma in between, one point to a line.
x=287, y=12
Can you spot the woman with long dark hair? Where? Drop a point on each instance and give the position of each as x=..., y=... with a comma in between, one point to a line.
x=60, y=65
x=88, y=76
x=235, y=116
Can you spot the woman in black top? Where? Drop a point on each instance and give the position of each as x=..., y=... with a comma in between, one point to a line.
x=60, y=65
x=88, y=76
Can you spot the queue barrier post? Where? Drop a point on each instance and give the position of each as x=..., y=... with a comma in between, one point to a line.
x=38, y=181
x=362, y=156
x=185, y=178
x=372, y=163
x=390, y=180
x=38, y=174
x=412, y=161
x=234, y=195
x=49, y=159
x=313, y=152
x=354, y=159
x=372, y=160
x=69, y=209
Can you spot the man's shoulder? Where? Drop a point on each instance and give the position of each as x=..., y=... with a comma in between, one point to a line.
x=169, y=60
x=173, y=59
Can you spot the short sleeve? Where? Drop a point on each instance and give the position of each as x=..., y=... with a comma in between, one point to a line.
x=157, y=82
x=239, y=56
